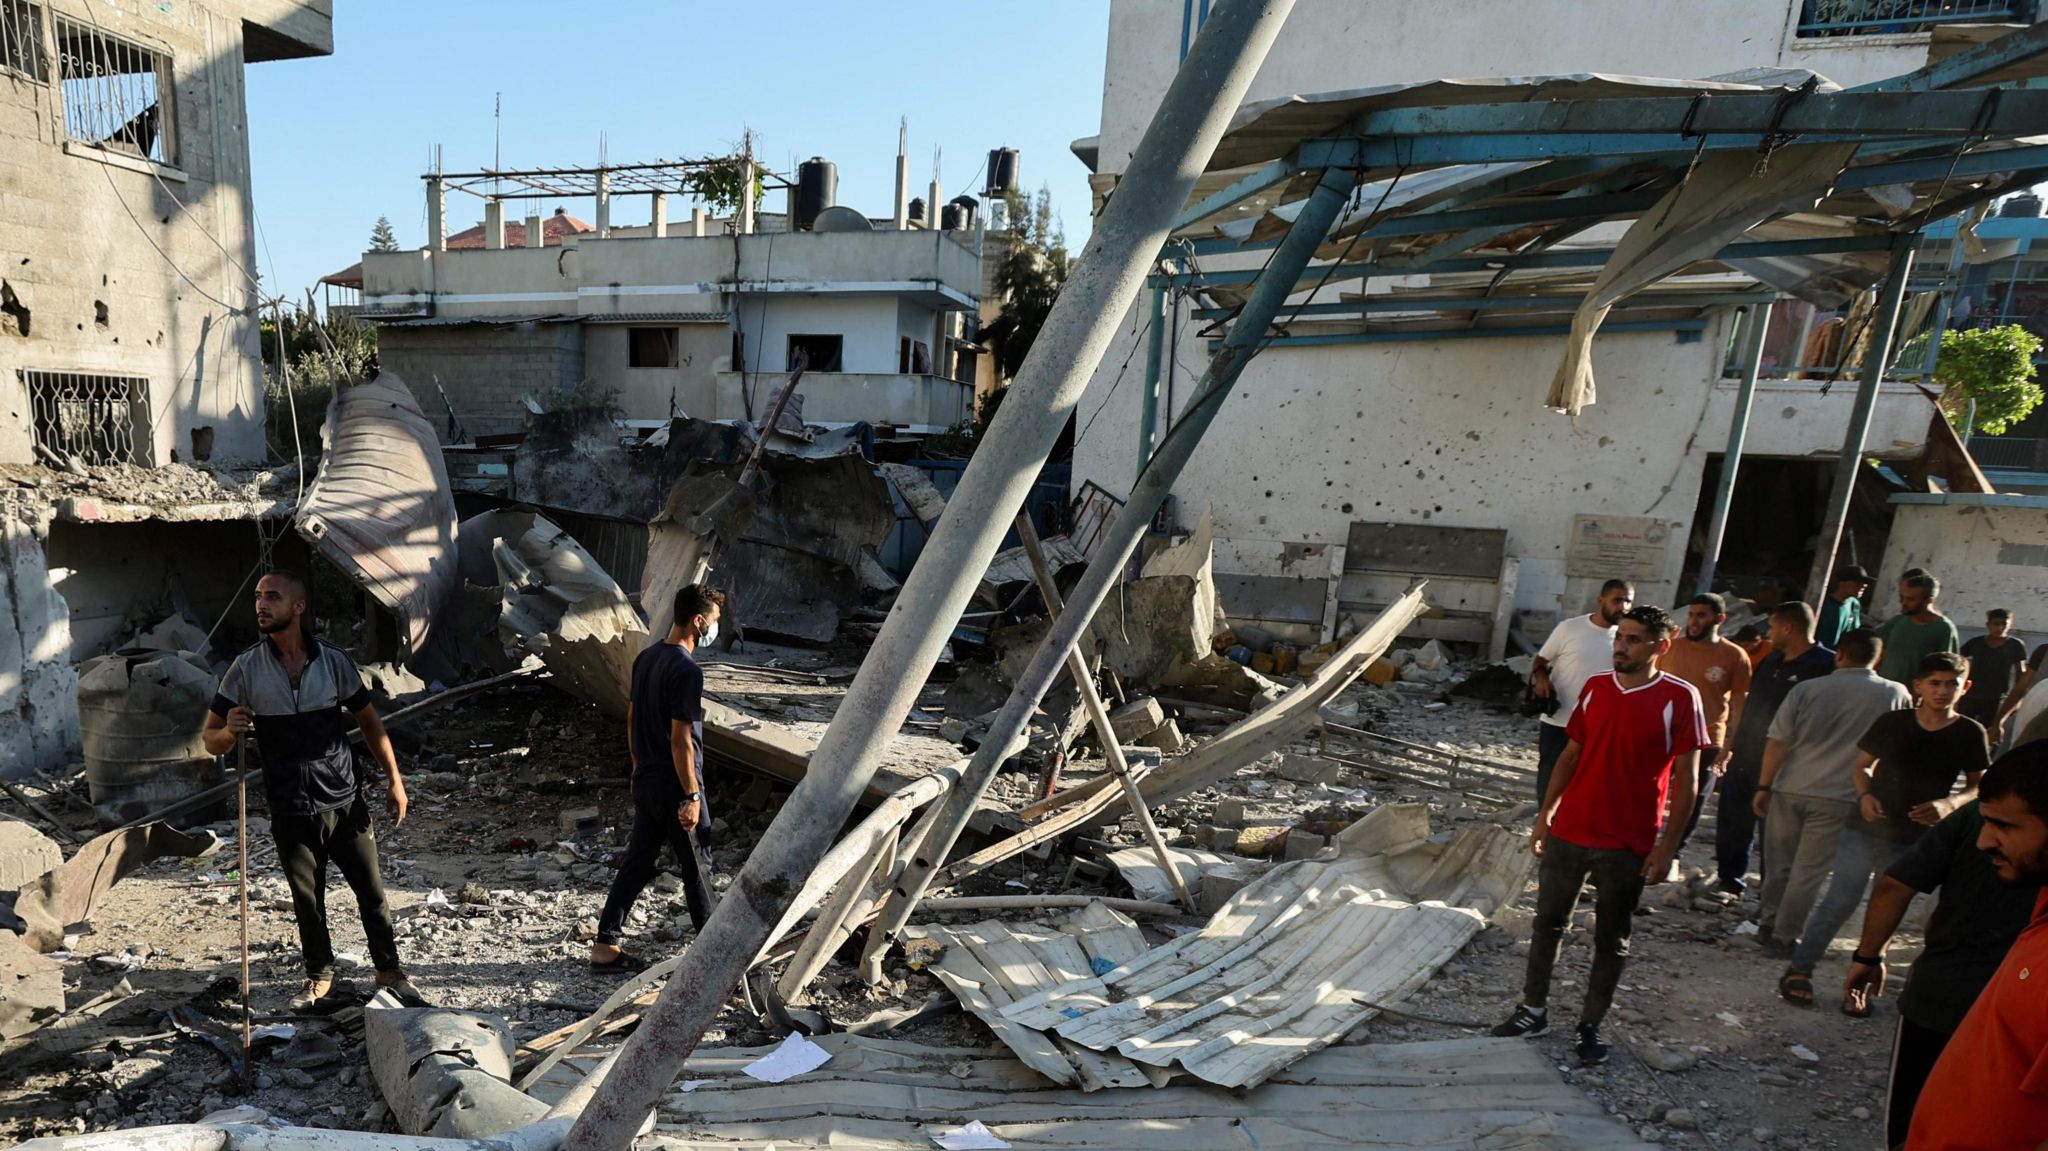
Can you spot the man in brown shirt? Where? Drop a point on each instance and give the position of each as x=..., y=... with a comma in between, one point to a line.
x=1718, y=669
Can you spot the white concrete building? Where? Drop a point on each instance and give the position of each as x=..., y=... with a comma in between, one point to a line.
x=1453, y=433
x=686, y=318
x=130, y=330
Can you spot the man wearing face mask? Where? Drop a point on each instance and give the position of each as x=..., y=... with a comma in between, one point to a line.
x=665, y=736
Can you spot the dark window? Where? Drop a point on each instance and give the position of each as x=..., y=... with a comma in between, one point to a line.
x=97, y=419
x=823, y=350
x=116, y=92
x=21, y=39
x=653, y=348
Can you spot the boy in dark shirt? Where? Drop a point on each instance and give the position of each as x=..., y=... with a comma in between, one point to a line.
x=1996, y=658
x=1916, y=756
x=665, y=736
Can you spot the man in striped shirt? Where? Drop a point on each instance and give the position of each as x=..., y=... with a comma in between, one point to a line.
x=1633, y=753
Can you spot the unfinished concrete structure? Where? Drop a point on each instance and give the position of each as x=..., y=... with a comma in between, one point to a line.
x=1340, y=434
x=130, y=333
x=685, y=317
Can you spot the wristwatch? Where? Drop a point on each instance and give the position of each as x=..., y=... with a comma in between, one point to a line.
x=692, y=796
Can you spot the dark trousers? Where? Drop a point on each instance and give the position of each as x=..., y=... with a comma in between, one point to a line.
x=1914, y=1051
x=655, y=800
x=1735, y=823
x=1618, y=886
x=306, y=844
x=1550, y=743
x=1706, y=792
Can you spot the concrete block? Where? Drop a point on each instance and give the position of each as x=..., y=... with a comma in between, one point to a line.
x=1166, y=738
x=1304, y=844
x=1381, y=673
x=1308, y=770
x=1221, y=882
x=1231, y=813
x=1142, y=716
x=25, y=854
x=578, y=819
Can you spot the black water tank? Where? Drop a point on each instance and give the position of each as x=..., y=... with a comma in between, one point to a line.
x=917, y=209
x=2026, y=204
x=1002, y=171
x=968, y=206
x=817, y=188
x=950, y=219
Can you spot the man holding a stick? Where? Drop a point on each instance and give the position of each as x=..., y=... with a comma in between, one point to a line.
x=297, y=694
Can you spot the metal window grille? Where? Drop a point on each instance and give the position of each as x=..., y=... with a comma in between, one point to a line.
x=1880, y=17
x=93, y=417
x=21, y=39
x=116, y=92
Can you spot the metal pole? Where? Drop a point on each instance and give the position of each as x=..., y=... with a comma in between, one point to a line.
x=1738, y=430
x=1850, y=465
x=1117, y=541
x=1105, y=731
x=1148, y=411
x=1107, y=278
x=242, y=872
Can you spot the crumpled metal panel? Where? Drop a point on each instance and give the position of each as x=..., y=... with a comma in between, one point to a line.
x=68, y=893
x=381, y=509
x=560, y=605
x=446, y=1072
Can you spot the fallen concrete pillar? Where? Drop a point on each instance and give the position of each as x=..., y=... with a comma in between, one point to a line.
x=25, y=854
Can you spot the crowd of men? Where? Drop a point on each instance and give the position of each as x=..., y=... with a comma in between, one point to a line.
x=1841, y=754
x=1833, y=752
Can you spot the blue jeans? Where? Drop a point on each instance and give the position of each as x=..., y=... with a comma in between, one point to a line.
x=1857, y=857
x=1550, y=743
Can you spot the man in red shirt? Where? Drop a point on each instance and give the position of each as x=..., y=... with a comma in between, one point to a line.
x=1601, y=816
x=1989, y=1091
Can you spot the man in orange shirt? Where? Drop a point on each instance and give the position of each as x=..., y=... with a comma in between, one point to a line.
x=1989, y=1091
x=1718, y=669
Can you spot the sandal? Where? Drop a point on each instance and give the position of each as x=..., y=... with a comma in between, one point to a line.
x=624, y=963
x=1796, y=988
x=1856, y=1006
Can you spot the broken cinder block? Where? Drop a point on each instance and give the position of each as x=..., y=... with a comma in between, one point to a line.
x=578, y=819
x=1140, y=717
x=1304, y=844
x=1221, y=882
x=1166, y=738
x=1309, y=770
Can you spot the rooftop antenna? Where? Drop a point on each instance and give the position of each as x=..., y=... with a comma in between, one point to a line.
x=497, y=139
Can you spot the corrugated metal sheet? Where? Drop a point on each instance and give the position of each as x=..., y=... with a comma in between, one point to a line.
x=381, y=509
x=1494, y=1094
x=1284, y=969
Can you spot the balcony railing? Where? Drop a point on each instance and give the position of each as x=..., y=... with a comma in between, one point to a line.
x=1880, y=17
x=2015, y=453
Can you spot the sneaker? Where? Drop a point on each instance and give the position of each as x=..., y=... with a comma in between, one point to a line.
x=1676, y=872
x=313, y=992
x=1523, y=1022
x=1727, y=886
x=1592, y=1049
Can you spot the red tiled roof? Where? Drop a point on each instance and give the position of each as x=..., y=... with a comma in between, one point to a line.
x=552, y=229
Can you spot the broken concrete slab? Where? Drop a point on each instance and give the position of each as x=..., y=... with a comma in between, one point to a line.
x=380, y=508
x=25, y=854
x=1164, y=619
x=445, y=1073
x=66, y=895
x=31, y=988
x=919, y=493
x=1166, y=737
x=1219, y=682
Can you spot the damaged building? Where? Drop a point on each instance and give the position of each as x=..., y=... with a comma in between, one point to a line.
x=128, y=347
x=693, y=315
x=1395, y=427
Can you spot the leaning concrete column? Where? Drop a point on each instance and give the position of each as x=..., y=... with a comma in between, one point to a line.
x=1113, y=549
x=1738, y=430
x=1107, y=278
x=1850, y=465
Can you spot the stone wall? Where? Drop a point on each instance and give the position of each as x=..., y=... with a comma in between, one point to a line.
x=486, y=370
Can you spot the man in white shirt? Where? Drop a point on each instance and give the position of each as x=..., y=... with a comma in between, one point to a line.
x=1576, y=650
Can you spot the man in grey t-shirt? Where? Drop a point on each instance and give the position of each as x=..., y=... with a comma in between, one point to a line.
x=1805, y=795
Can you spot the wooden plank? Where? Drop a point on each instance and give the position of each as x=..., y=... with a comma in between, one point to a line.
x=1425, y=549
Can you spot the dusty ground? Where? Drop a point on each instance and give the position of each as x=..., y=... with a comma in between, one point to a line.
x=497, y=772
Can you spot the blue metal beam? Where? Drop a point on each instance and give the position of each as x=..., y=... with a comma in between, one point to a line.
x=1405, y=336
x=1557, y=258
x=1437, y=151
x=1503, y=218
x=1427, y=303
x=1963, y=113
x=1980, y=163
x=1257, y=180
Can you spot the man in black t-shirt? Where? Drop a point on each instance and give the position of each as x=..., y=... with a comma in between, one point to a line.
x=1996, y=658
x=665, y=737
x=1904, y=778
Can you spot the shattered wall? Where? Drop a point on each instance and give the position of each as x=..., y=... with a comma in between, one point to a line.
x=154, y=286
x=1453, y=433
x=122, y=577
x=2003, y=547
x=485, y=369
x=38, y=688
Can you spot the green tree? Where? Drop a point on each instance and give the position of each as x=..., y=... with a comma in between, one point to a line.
x=382, y=238
x=1031, y=267
x=336, y=352
x=1992, y=366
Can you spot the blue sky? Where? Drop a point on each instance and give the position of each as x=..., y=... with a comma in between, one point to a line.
x=336, y=142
